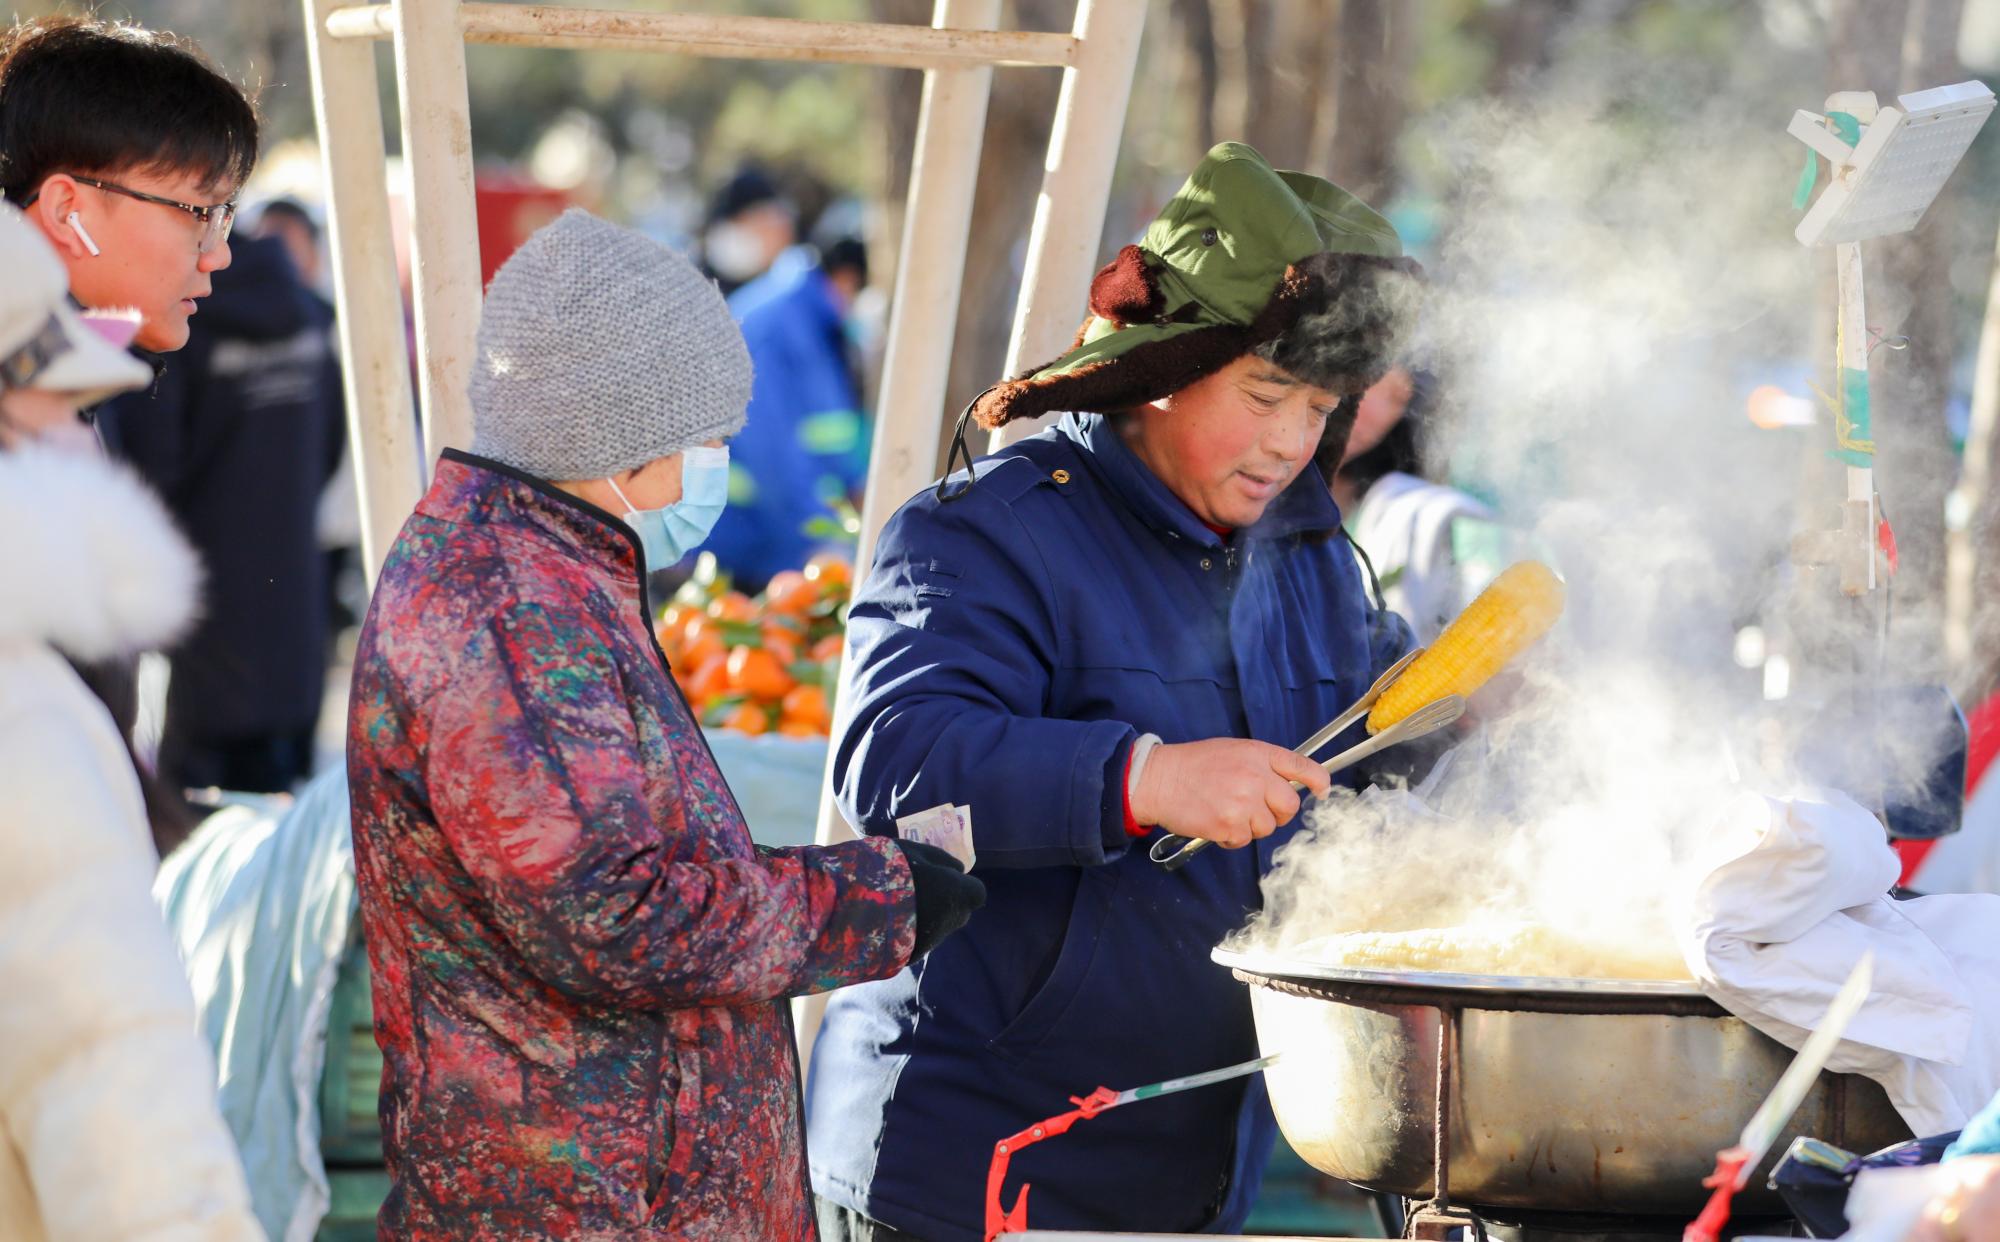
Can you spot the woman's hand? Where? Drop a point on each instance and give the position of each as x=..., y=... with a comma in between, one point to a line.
x=1968, y=1211
x=1226, y=790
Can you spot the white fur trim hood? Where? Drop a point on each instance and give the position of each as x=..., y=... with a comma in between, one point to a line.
x=90, y=563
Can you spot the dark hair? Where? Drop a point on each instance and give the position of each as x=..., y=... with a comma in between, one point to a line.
x=1400, y=451
x=847, y=254
x=1349, y=324
x=288, y=209
x=750, y=187
x=81, y=95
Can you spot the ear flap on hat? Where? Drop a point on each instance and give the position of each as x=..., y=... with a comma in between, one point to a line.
x=1124, y=290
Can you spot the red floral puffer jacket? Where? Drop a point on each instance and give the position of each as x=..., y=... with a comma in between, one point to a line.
x=580, y=960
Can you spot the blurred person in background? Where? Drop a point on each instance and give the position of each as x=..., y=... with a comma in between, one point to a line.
x=108, y=1122
x=288, y=220
x=1430, y=547
x=125, y=150
x=240, y=435
x=804, y=449
x=750, y=223
x=581, y=963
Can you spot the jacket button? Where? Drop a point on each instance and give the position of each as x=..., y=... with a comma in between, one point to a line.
x=1060, y=476
x=1205, y=562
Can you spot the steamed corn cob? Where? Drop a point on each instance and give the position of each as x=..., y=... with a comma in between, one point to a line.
x=1509, y=615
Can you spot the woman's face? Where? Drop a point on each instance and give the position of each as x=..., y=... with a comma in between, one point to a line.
x=1228, y=444
x=654, y=485
x=1382, y=407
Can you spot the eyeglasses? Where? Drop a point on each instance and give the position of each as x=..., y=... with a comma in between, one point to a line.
x=216, y=220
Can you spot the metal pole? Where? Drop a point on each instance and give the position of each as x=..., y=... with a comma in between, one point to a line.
x=381, y=422
x=1076, y=186
x=444, y=235
x=929, y=272
x=1857, y=575
x=909, y=416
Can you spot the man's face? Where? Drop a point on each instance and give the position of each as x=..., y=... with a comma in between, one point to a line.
x=1227, y=445
x=148, y=253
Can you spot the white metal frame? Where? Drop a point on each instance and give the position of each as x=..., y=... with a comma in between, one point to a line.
x=957, y=53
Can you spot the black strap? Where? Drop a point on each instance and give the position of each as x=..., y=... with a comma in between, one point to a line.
x=1374, y=583
x=959, y=449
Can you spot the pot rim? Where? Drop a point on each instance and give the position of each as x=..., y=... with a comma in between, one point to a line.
x=1279, y=966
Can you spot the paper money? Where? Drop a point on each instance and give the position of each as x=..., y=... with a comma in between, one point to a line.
x=947, y=827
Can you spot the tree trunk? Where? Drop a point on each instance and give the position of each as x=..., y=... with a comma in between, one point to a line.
x=1973, y=625
x=897, y=100
x=1202, y=80
x=1912, y=298
x=1019, y=117
x=1373, y=50
x=1523, y=37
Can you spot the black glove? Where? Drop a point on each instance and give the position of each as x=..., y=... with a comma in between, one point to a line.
x=946, y=896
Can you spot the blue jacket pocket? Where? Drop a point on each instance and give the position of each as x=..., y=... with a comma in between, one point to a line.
x=1046, y=1007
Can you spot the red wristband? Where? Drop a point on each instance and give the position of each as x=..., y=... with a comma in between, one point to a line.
x=1132, y=826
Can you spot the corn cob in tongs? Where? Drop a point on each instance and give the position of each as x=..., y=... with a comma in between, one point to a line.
x=1426, y=690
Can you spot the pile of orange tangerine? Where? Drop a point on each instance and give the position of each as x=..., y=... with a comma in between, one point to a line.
x=762, y=665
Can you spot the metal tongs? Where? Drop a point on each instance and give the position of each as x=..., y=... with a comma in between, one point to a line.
x=1173, y=852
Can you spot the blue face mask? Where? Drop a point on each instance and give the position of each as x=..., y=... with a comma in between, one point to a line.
x=671, y=533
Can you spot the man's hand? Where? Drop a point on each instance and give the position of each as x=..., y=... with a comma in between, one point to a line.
x=1226, y=790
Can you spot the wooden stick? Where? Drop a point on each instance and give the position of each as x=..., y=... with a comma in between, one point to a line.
x=381, y=421
x=1076, y=185
x=937, y=220
x=444, y=234
x=757, y=38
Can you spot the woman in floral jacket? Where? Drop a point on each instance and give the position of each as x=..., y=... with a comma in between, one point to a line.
x=580, y=961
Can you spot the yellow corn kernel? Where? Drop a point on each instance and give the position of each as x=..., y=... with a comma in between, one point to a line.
x=1516, y=609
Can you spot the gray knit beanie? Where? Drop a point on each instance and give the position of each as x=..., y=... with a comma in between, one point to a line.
x=601, y=350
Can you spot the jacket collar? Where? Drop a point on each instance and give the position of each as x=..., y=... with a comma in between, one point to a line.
x=474, y=490
x=1306, y=507
x=90, y=562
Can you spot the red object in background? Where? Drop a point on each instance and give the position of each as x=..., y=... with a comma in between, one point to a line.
x=1887, y=539
x=510, y=209
x=1984, y=728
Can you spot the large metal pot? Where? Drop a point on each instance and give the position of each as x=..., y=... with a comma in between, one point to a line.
x=1562, y=1095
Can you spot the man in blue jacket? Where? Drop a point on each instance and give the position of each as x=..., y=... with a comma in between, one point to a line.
x=1115, y=627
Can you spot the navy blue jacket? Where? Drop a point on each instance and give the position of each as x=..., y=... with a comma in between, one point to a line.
x=1008, y=648
x=239, y=437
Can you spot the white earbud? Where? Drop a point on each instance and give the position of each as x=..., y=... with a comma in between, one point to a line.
x=75, y=223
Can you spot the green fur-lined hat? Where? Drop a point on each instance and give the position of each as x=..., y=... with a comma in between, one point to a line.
x=1243, y=258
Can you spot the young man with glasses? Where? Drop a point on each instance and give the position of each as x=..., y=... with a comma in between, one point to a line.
x=126, y=150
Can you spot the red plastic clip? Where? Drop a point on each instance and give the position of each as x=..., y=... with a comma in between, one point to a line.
x=1001, y=1219
x=1707, y=1227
